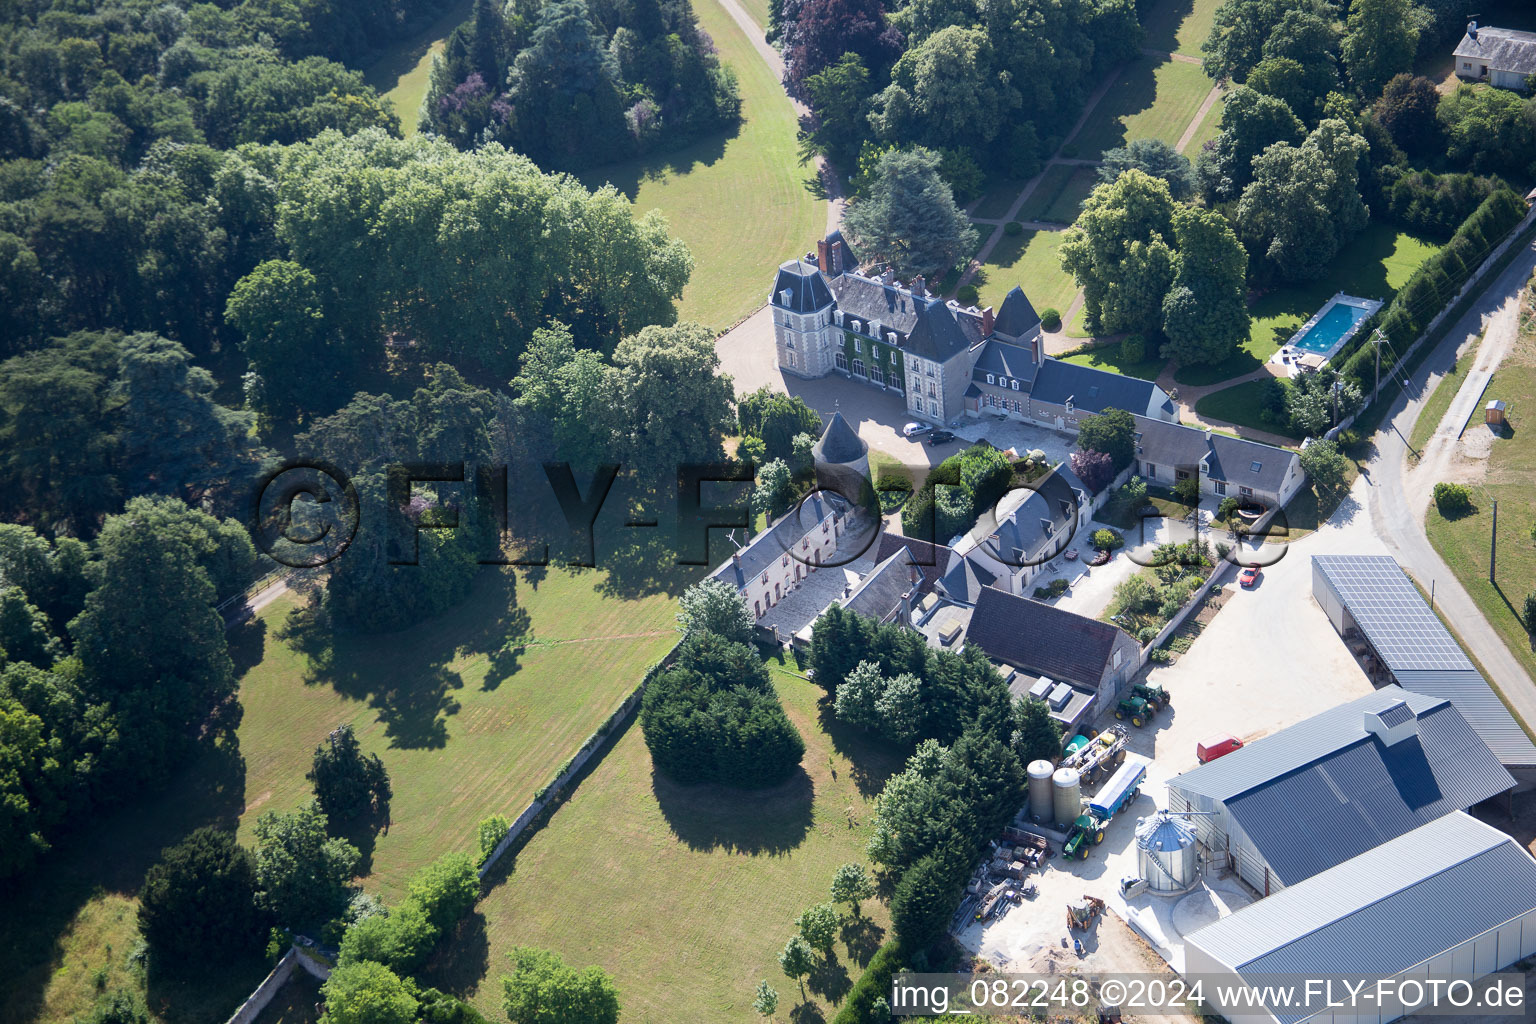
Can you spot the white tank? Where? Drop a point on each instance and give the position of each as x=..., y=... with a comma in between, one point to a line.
x=1068, y=796
x=1165, y=852
x=1040, y=806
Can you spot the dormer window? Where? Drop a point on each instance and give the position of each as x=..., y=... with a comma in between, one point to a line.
x=1015, y=385
x=784, y=297
x=990, y=379
x=855, y=324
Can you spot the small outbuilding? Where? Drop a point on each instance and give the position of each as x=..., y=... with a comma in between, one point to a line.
x=1493, y=413
x=1503, y=57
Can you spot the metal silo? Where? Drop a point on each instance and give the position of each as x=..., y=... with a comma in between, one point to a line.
x=1067, y=795
x=1166, y=855
x=1040, y=807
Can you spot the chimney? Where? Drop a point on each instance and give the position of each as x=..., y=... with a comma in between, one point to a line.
x=919, y=287
x=906, y=608
x=1207, y=435
x=987, y=320
x=1472, y=29
x=887, y=276
x=823, y=257
x=1392, y=724
x=736, y=558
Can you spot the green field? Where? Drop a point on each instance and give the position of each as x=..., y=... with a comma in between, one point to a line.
x=465, y=727
x=401, y=74
x=1179, y=26
x=1029, y=261
x=1150, y=100
x=1374, y=266
x=687, y=894
x=739, y=201
x=758, y=9
x=999, y=197
x=1511, y=481
x=1440, y=399
x=1108, y=358
x=1059, y=196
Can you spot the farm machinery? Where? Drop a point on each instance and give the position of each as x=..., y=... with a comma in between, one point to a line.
x=1096, y=757
x=1122, y=788
x=1138, y=709
x=1156, y=697
x=1082, y=915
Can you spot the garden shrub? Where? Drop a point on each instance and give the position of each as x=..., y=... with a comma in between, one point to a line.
x=1529, y=616
x=1050, y=318
x=1013, y=229
x=1228, y=506
x=1133, y=348
x=1187, y=491
x=967, y=295
x=1106, y=540
x=1452, y=500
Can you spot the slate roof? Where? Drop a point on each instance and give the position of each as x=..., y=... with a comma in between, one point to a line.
x=1092, y=390
x=965, y=581
x=931, y=559
x=868, y=299
x=839, y=442
x=1004, y=360
x=1045, y=640
x=771, y=544
x=1023, y=530
x=806, y=284
x=879, y=593
x=1327, y=778
x=1382, y=912
x=936, y=335
x=1016, y=316
x=1502, y=49
x=1227, y=458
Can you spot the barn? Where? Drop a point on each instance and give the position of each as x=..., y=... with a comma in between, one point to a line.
x=1452, y=898
x=1308, y=798
x=1372, y=602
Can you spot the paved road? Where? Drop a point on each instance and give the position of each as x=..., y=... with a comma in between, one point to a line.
x=1399, y=497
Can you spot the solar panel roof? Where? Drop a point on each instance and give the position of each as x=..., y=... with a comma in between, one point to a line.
x=1389, y=611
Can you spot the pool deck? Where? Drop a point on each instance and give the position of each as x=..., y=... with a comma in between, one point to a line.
x=1293, y=360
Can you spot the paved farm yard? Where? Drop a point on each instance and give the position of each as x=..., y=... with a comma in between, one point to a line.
x=686, y=895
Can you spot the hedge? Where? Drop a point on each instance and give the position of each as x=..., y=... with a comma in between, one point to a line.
x=1434, y=284
x=873, y=984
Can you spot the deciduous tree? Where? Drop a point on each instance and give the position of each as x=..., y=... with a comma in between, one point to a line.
x=1119, y=250
x=198, y=903
x=543, y=989
x=1380, y=40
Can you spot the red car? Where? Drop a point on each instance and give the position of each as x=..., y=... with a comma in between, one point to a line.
x=1215, y=747
x=1249, y=576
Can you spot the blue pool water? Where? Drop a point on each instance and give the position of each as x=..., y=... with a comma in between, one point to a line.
x=1324, y=336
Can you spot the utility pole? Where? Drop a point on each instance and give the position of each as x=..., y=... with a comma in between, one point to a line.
x=1376, y=340
x=1493, y=543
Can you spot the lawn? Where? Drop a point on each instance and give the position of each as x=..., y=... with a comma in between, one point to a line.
x=402, y=72
x=1059, y=196
x=1374, y=265
x=686, y=895
x=1240, y=404
x=464, y=727
x=739, y=201
x=1029, y=261
x=1151, y=99
x=1108, y=358
x=999, y=197
x=758, y=9
x=1511, y=481
x=1210, y=127
x=1179, y=26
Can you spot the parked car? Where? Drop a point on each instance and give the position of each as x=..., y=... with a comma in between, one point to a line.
x=914, y=429
x=1216, y=746
x=939, y=437
x=1249, y=576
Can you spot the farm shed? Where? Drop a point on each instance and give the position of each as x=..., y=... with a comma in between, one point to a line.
x=1295, y=804
x=1453, y=898
x=1369, y=599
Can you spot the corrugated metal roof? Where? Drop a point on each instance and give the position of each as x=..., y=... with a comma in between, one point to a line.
x=1395, y=715
x=1418, y=650
x=1384, y=911
x=1300, y=745
x=1367, y=793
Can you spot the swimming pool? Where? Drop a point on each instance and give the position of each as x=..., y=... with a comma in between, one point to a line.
x=1333, y=325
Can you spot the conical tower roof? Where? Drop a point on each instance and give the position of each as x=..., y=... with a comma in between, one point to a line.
x=839, y=443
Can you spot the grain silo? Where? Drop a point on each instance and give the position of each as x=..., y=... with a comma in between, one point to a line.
x=1165, y=852
x=1040, y=806
x=1068, y=796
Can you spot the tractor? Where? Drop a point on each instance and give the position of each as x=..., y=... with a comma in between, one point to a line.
x=1138, y=709
x=1086, y=831
x=1082, y=915
x=1153, y=694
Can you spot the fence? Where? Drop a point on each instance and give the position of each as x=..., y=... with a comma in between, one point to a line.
x=1432, y=329
x=551, y=792
x=274, y=982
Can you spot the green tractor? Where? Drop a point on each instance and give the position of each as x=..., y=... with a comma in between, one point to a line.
x=1138, y=709
x=1153, y=694
x=1086, y=831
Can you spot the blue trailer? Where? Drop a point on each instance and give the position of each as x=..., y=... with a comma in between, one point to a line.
x=1121, y=788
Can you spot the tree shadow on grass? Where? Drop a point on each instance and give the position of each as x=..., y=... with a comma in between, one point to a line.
x=807, y=1013
x=110, y=855
x=862, y=937
x=710, y=817
x=872, y=761
x=829, y=979
x=461, y=960
x=628, y=175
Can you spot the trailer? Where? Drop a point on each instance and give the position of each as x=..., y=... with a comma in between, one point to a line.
x=1122, y=787
x=1105, y=751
